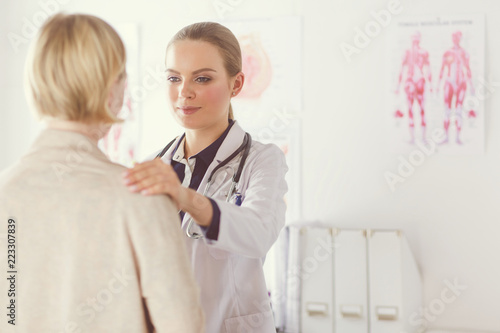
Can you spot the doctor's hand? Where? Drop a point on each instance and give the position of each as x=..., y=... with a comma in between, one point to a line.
x=157, y=177
x=154, y=177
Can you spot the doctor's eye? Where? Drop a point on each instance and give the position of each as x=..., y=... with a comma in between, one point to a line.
x=173, y=79
x=202, y=79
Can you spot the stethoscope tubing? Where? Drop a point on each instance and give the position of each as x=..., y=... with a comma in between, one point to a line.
x=245, y=148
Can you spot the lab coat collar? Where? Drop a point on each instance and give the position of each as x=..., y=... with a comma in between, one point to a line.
x=169, y=155
x=178, y=152
x=232, y=141
x=207, y=155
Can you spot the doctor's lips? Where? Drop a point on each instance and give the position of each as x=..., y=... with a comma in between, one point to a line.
x=187, y=110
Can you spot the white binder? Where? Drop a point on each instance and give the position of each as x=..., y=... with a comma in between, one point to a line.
x=316, y=276
x=350, y=282
x=395, y=287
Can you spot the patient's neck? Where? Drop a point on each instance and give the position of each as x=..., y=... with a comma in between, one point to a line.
x=93, y=131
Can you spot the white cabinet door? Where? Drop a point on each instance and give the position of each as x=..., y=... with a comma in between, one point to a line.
x=385, y=291
x=316, y=275
x=350, y=282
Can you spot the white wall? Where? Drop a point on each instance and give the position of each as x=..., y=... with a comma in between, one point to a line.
x=448, y=208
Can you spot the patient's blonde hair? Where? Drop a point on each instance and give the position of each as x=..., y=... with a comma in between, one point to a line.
x=73, y=65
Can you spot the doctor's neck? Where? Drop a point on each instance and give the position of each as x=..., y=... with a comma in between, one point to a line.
x=199, y=139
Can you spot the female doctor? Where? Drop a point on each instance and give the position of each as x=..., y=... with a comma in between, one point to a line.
x=229, y=188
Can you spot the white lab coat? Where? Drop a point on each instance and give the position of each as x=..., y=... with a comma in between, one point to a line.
x=229, y=271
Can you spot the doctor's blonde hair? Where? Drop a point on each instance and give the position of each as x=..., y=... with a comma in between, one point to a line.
x=72, y=67
x=220, y=37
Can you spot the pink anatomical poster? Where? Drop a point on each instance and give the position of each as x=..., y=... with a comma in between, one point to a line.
x=436, y=84
x=271, y=51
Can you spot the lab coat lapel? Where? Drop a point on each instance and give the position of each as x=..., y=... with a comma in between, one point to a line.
x=167, y=158
x=232, y=142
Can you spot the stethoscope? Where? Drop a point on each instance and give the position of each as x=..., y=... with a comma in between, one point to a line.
x=245, y=148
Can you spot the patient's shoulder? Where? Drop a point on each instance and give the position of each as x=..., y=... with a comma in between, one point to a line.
x=131, y=200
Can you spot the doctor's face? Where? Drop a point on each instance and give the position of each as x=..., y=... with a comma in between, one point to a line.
x=198, y=85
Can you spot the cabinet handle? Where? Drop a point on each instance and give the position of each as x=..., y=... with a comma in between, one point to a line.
x=317, y=309
x=387, y=312
x=351, y=311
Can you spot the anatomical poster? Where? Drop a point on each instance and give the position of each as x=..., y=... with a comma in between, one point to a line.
x=271, y=56
x=436, y=88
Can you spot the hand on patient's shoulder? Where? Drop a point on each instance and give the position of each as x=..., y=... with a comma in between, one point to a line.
x=153, y=177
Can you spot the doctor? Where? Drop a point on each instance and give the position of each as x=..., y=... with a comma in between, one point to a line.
x=230, y=224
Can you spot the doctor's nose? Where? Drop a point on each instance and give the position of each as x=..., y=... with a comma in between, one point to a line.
x=186, y=92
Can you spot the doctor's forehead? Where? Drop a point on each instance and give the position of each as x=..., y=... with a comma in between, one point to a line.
x=190, y=57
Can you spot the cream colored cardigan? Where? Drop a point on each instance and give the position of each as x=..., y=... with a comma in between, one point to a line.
x=90, y=256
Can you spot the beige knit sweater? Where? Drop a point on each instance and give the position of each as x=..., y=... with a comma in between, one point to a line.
x=89, y=255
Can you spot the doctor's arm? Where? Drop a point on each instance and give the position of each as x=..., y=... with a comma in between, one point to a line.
x=252, y=228
x=249, y=229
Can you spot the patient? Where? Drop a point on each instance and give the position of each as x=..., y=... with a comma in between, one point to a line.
x=87, y=255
